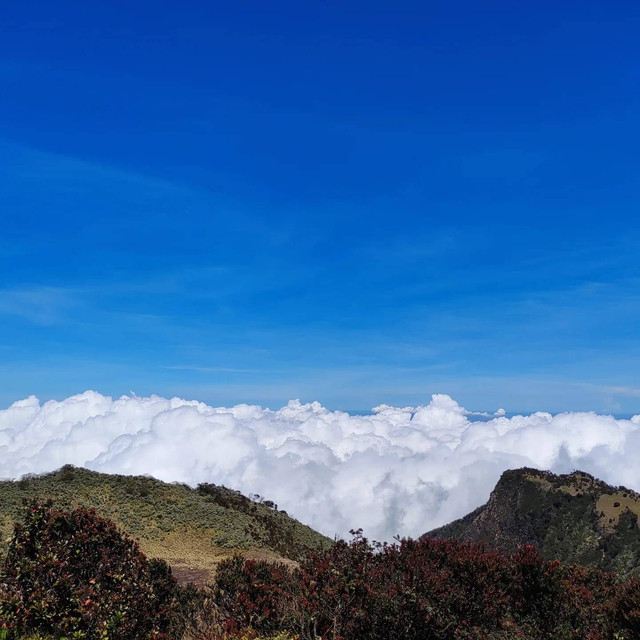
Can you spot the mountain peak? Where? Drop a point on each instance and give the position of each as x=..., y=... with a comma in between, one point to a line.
x=571, y=517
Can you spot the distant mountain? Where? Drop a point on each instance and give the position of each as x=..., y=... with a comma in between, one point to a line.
x=193, y=529
x=572, y=518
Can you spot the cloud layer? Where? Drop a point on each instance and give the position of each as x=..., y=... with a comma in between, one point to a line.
x=394, y=471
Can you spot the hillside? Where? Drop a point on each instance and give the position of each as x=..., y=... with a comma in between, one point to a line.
x=193, y=529
x=573, y=518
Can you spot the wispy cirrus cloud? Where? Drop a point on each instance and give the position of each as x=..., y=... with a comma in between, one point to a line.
x=38, y=305
x=207, y=370
x=623, y=391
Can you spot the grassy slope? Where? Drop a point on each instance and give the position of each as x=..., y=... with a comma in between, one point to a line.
x=193, y=529
x=573, y=517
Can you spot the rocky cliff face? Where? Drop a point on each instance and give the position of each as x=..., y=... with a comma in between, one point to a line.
x=572, y=517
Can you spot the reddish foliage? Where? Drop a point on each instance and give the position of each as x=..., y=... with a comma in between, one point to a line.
x=415, y=589
x=627, y=609
x=75, y=572
x=252, y=593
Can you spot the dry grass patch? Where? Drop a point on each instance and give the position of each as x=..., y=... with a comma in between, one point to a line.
x=611, y=506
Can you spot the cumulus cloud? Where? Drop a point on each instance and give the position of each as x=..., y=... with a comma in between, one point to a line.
x=394, y=471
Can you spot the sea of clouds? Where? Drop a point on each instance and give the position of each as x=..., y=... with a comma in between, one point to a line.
x=394, y=471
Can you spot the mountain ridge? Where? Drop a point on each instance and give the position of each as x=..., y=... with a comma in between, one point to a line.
x=570, y=517
x=193, y=529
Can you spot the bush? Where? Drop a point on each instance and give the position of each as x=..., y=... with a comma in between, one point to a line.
x=253, y=594
x=627, y=609
x=74, y=575
x=436, y=589
x=69, y=573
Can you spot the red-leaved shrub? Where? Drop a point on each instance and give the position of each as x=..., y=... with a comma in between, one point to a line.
x=74, y=572
x=435, y=589
x=253, y=594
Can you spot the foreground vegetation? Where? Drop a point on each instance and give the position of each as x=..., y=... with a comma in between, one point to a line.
x=74, y=575
x=428, y=589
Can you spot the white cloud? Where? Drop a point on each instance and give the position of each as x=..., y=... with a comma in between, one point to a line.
x=397, y=470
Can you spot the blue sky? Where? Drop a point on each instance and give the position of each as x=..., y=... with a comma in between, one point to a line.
x=354, y=202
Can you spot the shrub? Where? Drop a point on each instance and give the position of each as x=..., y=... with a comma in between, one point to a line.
x=436, y=589
x=627, y=609
x=253, y=594
x=69, y=573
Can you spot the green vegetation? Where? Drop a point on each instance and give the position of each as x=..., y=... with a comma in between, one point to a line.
x=192, y=529
x=70, y=574
x=428, y=590
x=572, y=518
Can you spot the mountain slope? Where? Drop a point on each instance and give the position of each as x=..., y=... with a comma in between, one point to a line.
x=572, y=517
x=193, y=529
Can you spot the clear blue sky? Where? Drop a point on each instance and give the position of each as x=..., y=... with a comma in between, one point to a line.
x=354, y=202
